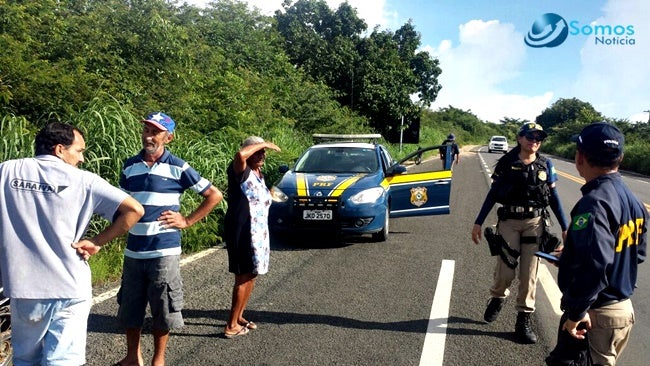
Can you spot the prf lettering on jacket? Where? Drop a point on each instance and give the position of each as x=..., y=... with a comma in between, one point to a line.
x=629, y=234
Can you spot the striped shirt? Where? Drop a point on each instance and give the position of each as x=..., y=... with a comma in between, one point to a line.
x=158, y=188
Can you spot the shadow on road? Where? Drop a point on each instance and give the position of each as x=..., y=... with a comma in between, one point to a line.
x=199, y=318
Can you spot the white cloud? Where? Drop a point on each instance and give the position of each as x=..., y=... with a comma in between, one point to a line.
x=488, y=54
x=615, y=79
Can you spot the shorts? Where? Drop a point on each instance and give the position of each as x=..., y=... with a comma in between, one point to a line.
x=156, y=281
x=49, y=331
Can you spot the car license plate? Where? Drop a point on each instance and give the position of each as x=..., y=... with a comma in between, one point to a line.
x=317, y=215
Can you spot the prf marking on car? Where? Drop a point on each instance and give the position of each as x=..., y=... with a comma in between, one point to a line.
x=407, y=178
x=302, y=185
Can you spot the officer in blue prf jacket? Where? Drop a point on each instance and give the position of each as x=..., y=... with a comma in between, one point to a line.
x=605, y=243
x=524, y=183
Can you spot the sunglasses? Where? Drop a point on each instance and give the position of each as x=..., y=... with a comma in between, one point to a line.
x=531, y=137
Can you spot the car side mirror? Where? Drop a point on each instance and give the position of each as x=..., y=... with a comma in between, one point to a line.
x=396, y=169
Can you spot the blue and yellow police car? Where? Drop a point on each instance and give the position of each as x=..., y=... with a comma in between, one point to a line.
x=350, y=185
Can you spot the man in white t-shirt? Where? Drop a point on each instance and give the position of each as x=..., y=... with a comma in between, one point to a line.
x=46, y=204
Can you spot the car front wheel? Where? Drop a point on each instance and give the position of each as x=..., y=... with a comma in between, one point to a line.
x=383, y=234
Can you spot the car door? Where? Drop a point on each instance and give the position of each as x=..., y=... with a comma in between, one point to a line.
x=422, y=193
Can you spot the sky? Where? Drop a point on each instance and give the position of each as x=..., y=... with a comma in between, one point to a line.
x=489, y=70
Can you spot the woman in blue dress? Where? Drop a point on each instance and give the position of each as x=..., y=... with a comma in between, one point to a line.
x=246, y=228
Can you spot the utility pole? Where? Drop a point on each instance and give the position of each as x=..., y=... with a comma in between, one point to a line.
x=648, y=115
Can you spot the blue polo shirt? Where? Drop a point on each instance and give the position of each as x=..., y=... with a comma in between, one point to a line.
x=158, y=188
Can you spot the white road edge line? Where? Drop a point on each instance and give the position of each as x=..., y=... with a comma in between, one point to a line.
x=550, y=287
x=433, y=350
x=110, y=293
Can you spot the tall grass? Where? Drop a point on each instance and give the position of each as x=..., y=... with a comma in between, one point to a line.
x=112, y=135
x=17, y=138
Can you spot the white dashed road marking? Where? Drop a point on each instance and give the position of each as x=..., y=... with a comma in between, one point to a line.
x=434, y=341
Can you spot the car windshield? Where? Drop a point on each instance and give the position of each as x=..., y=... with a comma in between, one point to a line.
x=337, y=160
x=498, y=139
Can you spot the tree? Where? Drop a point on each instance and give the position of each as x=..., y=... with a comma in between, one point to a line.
x=517, y=122
x=425, y=68
x=565, y=111
x=375, y=75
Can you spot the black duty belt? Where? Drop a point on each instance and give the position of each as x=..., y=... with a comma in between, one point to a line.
x=519, y=212
x=519, y=209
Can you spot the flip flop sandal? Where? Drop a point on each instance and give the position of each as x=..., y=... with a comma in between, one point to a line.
x=241, y=332
x=251, y=325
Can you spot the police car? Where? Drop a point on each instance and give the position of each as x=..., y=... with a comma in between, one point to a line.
x=350, y=185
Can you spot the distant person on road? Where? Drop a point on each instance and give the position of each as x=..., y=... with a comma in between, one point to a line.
x=455, y=152
x=247, y=231
x=46, y=204
x=151, y=273
x=605, y=243
x=523, y=182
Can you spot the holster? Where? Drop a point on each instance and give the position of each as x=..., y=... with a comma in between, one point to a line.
x=548, y=241
x=499, y=246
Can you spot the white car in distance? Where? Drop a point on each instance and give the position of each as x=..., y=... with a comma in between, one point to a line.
x=498, y=143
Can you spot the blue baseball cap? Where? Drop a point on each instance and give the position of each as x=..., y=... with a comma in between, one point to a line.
x=161, y=121
x=601, y=140
x=531, y=127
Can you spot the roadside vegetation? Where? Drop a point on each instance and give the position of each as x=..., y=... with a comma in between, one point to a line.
x=227, y=72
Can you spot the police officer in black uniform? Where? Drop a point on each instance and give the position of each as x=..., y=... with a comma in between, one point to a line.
x=523, y=182
x=605, y=243
x=455, y=151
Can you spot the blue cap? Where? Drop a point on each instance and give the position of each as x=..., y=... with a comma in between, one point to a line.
x=161, y=121
x=451, y=136
x=531, y=127
x=601, y=140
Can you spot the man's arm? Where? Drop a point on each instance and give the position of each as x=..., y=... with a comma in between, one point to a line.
x=172, y=219
x=128, y=214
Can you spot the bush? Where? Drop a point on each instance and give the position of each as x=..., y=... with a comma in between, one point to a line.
x=636, y=158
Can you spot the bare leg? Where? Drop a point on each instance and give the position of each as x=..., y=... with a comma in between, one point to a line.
x=133, y=351
x=247, y=291
x=241, y=292
x=160, y=338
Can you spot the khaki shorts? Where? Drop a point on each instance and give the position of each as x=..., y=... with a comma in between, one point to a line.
x=156, y=282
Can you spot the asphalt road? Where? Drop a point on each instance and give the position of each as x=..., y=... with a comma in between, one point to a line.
x=356, y=303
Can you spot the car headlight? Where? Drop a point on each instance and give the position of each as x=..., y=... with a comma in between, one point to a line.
x=277, y=195
x=368, y=196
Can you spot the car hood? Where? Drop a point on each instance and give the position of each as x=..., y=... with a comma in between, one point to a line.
x=326, y=184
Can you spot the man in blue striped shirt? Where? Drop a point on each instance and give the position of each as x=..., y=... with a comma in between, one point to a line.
x=151, y=273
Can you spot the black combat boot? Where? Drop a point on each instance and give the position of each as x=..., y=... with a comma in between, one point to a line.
x=493, y=308
x=523, y=331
